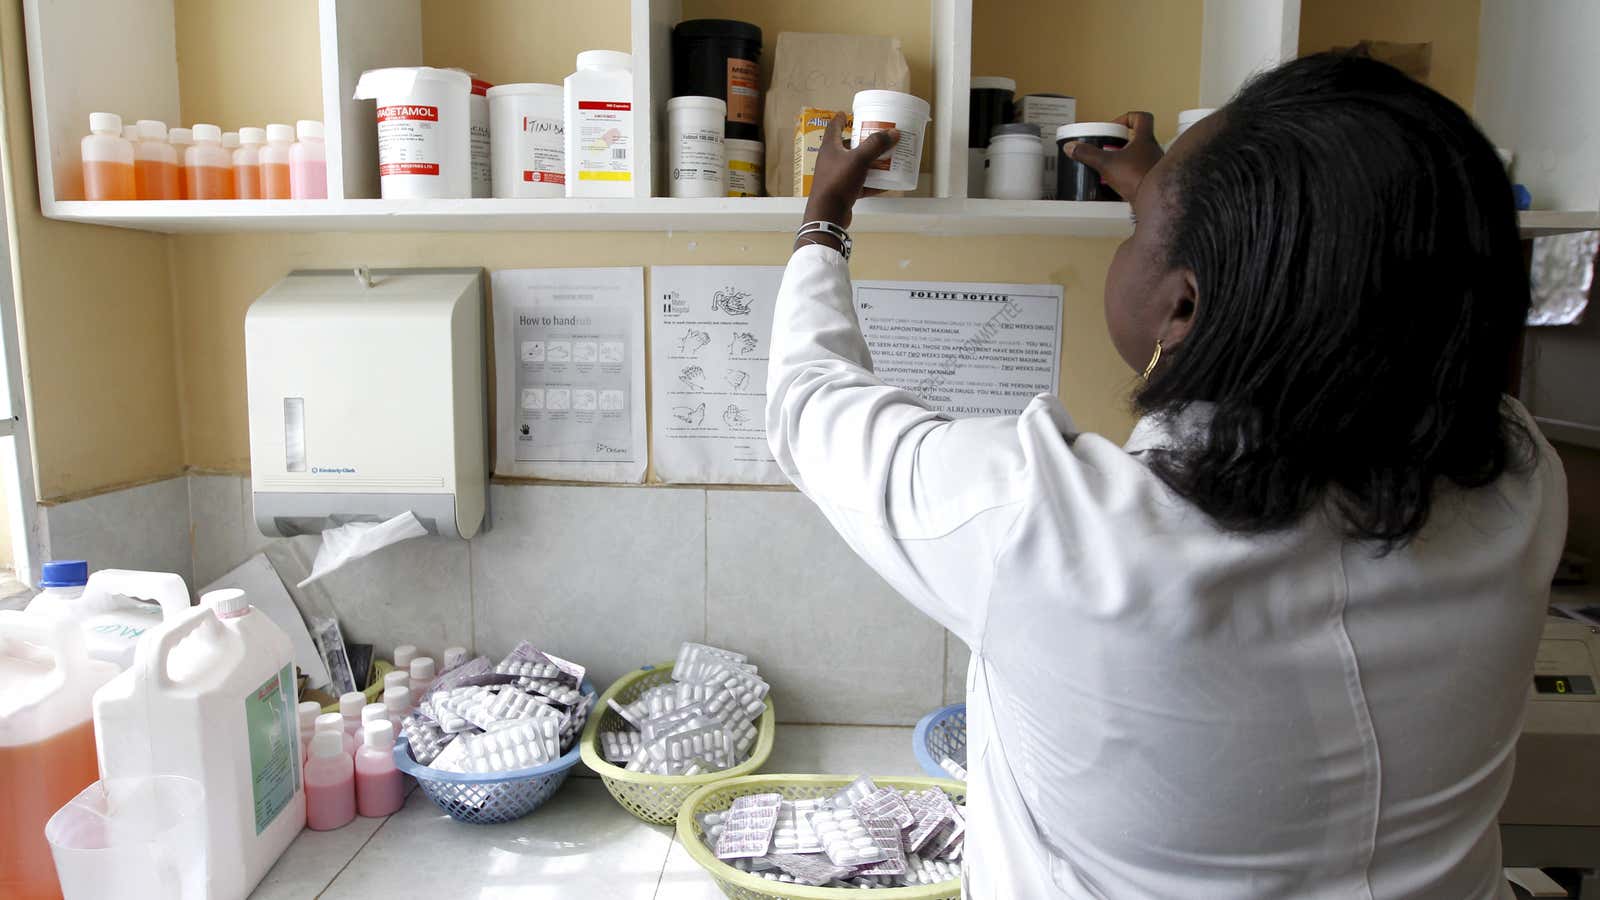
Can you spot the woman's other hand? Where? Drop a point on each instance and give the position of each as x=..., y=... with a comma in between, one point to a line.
x=1121, y=169
x=842, y=173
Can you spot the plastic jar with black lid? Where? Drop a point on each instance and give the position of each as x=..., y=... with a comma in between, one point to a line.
x=1076, y=181
x=721, y=58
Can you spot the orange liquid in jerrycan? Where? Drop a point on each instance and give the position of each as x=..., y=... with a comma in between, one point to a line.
x=36, y=780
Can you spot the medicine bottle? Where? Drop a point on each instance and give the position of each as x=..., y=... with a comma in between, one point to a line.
x=247, y=164
x=207, y=167
x=697, y=163
x=107, y=160
x=1014, y=163
x=597, y=103
x=1076, y=181
x=181, y=140
x=379, y=788
x=275, y=163
x=330, y=779
x=155, y=163
x=308, y=162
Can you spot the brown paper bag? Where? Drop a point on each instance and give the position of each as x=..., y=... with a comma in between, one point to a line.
x=822, y=70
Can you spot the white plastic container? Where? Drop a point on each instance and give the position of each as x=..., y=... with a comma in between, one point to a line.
x=424, y=131
x=453, y=656
x=308, y=162
x=527, y=141
x=478, y=134
x=1014, y=163
x=597, y=105
x=274, y=159
x=131, y=839
x=404, y=654
x=697, y=164
x=107, y=160
x=155, y=163
x=111, y=611
x=876, y=111
x=230, y=141
x=181, y=140
x=211, y=697
x=247, y=164
x=746, y=166
x=46, y=739
x=208, y=169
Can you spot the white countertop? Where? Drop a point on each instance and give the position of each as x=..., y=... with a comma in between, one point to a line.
x=581, y=843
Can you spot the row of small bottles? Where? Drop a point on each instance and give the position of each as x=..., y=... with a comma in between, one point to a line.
x=147, y=161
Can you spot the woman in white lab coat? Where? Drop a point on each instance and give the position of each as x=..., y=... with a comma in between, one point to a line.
x=1277, y=644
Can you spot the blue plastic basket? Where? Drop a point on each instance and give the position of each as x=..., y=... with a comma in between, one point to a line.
x=492, y=797
x=942, y=734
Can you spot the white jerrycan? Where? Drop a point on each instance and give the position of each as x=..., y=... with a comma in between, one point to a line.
x=110, y=613
x=211, y=696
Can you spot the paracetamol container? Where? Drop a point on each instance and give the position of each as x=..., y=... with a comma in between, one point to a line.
x=527, y=140
x=697, y=163
x=746, y=166
x=424, y=140
x=876, y=111
x=478, y=132
x=597, y=101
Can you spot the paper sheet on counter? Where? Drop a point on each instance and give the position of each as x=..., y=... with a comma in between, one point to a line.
x=710, y=335
x=569, y=374
x=965, y=349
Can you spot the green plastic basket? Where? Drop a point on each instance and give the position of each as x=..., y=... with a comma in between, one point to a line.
x=744, y=886
x=656, y=798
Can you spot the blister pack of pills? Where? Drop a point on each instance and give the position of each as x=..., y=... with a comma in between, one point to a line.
x=619, y=746
x=844, y=837
x=425, y=737
x=748, y=825
x=512, y=745
x=885, y=803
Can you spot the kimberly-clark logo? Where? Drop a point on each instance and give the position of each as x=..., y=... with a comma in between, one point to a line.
x=332, y=470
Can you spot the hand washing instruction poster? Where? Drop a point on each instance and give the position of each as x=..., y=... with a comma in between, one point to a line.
x=569, y=374
x=710, y=334
x=965, y=349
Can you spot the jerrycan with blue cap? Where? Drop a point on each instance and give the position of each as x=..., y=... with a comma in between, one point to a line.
x=115, y=608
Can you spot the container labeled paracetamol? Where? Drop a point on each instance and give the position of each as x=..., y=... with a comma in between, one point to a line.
x=1014, y=159
x=876, y=111
x=527, y=140
x=597, y=102
x=478, y=128
x=697, y=164
x=746, y=165
x=424, y=143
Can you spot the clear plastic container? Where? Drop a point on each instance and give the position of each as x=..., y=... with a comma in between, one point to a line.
x=155, y=163
x=330, y=785
x=132, y=839
x=380, y=789
x=308, y=162
x=247, y=164
x=275, y=183
x=207, y=166
x=107, y=160
x=181, y=140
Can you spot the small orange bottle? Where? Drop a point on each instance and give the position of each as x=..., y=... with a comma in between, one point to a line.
x=107, y=160
x=247, y=164
x=209, y=169
x=155, y=163
x=181, y=140
x=275, y=162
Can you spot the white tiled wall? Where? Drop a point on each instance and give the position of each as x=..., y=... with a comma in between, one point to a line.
x=612, y=577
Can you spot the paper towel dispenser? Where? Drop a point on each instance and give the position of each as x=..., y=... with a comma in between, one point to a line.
x=367, y=399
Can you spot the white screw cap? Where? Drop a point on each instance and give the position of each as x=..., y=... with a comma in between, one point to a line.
x=204, y=132
x=308, y=128
x=395, y=679
x=403, y=655
x=397, y=699
x=152, y=130
x=230, y=140
x=308, y=711
x=280, y=132
x=252, y=135
x=422, y=670
x=180, y=136
x=378, y=735
x=350, y=704
x=105, y=123
x=227, y=603
x=374, y=712
x=329, y=722
x=327, y=745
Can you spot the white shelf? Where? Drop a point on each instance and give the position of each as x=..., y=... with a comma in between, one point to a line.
x=769, y=214
x=1545, y=222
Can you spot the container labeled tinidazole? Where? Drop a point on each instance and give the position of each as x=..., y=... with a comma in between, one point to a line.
x=424, y=139
x=478, y=130
x=1014, y=160
x=527, y=145
x=876, y=111
x=1076, y=181
x=697, y=164
x=746, y=166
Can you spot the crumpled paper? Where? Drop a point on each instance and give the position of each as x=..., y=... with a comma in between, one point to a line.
x=348, y=543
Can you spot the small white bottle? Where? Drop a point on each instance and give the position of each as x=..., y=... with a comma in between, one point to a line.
x=396, y=678
x=421, y=675
x=350, y=706
x=597, y=104
x=373, y=712
x=247, y=164
x=308, y=712
x=403, y=655
x=697, y=163
x=181, y=140
x=334, y=722
x=230, y=141
x=107, y=160
x=308, y=162
x=155, y=163
x=398, y=701
x=207, y=167
x=454, y=656
x=275, y=162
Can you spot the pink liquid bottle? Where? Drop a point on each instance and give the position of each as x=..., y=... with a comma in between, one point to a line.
x=308, y=712
x=335, y=723
x=379, y=787
x=308, y=162
x=397, y=700
x=330, y=784
x=350, y=706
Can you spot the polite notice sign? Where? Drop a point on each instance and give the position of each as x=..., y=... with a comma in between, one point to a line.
x=964, y=349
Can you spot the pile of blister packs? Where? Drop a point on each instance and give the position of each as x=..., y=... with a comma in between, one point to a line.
x=478, y=717
x=702, y=721
x=864, y=836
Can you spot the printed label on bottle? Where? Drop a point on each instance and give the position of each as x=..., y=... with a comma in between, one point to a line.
x=744, y=91
x=605, y=140
x=744, y=178
x=541, y=150
x=480, y=157
x=699, y=157
x=867, y=129
x=408, y=140
x=269, y=717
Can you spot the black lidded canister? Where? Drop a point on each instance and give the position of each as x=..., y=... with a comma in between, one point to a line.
x=991, y=105
x=721, y=58
x=1076, y=181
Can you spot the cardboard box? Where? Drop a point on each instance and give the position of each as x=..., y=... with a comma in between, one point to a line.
x=809, y=128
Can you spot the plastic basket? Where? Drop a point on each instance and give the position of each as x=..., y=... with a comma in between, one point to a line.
x=656, y=798
x=492, y=797
x=942, y=734
x=745, y=886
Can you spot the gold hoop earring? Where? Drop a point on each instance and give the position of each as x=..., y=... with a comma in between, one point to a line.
x=1154, y=358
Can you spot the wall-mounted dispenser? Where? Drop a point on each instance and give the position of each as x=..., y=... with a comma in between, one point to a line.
x=367, y=399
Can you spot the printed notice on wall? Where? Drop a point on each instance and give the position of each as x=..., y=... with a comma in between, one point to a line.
x=569, y=374
x=710, y=335
x=964, y=349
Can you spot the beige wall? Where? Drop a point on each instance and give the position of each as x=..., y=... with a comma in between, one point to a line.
x=248, y=62
x=1450, y=25
x=95, y=310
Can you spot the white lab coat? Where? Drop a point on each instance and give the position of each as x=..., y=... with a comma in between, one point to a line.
x=1157, y=708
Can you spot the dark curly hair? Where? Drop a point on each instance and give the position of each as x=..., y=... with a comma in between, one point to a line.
x=1362, y=295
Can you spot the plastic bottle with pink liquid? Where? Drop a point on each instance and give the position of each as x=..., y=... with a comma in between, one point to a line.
x=379, y=787
x=330, y=784
x=335, y=723
x=308, y=162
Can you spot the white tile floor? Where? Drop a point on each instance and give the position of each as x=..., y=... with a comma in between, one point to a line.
x=582, y=844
